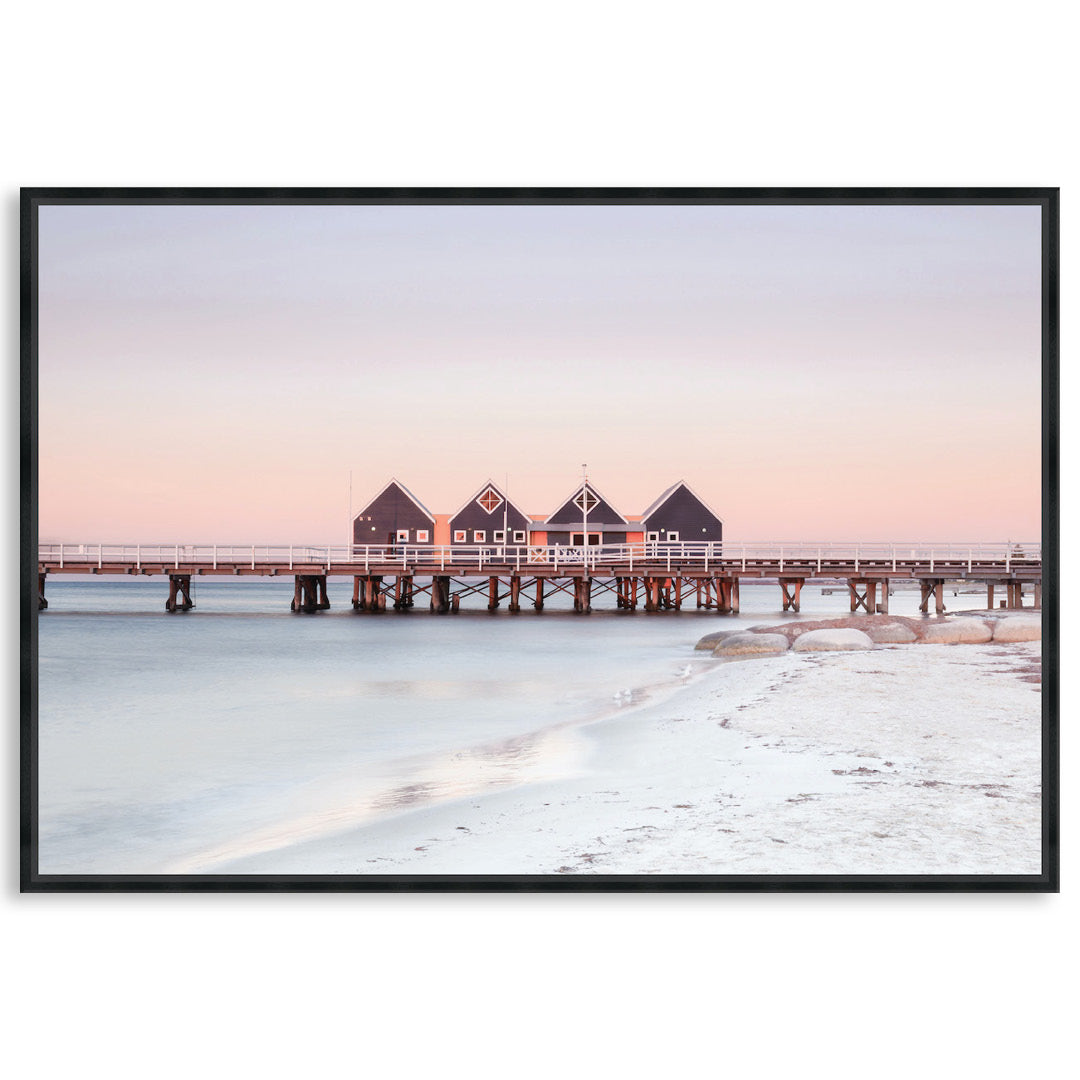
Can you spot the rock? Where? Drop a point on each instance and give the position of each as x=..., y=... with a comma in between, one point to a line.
x=747, y=644
x=1019, y=628
x=957, y=632
x=892, y=633
x=832, y=641
x=710, y=641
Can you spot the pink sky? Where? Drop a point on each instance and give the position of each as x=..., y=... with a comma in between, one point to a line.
x=818, y=373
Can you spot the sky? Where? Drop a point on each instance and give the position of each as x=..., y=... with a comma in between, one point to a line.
x=247, y=374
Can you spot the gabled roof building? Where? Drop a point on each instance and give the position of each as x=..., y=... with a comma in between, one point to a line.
x=394, y=516
x=586, y=510
x=681, y=515
x=489, y=517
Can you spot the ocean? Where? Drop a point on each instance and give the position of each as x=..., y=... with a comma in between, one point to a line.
x=177, y=743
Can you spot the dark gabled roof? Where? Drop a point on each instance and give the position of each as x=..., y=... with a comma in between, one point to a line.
x=574, y=494
x=671, y=491
x=405, y=491
x=479, y=491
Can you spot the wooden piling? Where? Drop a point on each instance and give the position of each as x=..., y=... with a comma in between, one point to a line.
x=403, y=592
x=582, y=595
x=1038, y=594
x=357, y=603
x=324, y=599
x=793, y=599
x=989, y=595
x=733, y=593
x=723, y=595
x=42, y=603
x=538, y=603
x=493, y=593
x=515, y=590
x=652, y=593
x=179, y=593
x=440, y=595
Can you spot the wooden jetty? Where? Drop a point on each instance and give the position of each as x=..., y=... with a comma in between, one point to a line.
x=651, y=576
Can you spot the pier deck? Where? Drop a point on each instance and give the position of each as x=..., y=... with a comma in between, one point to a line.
x=663, y=573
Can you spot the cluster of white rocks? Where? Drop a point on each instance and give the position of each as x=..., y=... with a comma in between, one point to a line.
x=841, y=635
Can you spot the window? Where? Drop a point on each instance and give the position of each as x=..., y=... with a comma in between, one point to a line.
x=586, y=501
x=519, y=536
x=652, y=537
x=479, y=536
x=460, y=536
x=422, y=536
x=499, y=536
x=491, y=500
x=672, y=537
x=403, y=535
x=577, y=539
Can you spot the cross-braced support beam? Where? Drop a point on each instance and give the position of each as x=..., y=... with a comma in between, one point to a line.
x=179, y=593
x=867, y=597
x=934, y=587
x=792, y=592
x=626, y=593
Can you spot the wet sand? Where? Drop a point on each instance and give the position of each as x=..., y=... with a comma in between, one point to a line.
x=897, y=760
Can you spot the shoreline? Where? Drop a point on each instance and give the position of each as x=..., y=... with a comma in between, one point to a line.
x=889, y=760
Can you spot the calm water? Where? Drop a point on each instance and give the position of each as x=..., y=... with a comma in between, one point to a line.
x=172, y=742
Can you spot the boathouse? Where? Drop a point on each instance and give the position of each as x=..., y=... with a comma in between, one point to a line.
x=680, y=514
x=489, y=517
x=586, y=518
x=394, y=516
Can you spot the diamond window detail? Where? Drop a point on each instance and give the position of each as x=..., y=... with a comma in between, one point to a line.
x=490, y=500
x=586, y=501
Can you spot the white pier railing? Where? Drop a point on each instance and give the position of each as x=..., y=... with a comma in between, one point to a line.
x=775, y=556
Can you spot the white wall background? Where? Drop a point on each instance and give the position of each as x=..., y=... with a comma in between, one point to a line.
x=579, y=93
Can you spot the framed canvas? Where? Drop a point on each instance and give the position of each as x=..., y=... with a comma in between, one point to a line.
x=688, y=539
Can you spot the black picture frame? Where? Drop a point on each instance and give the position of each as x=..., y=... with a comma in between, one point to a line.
x=1047, y=881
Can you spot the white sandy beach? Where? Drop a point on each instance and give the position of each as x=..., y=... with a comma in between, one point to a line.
x=905, y=759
